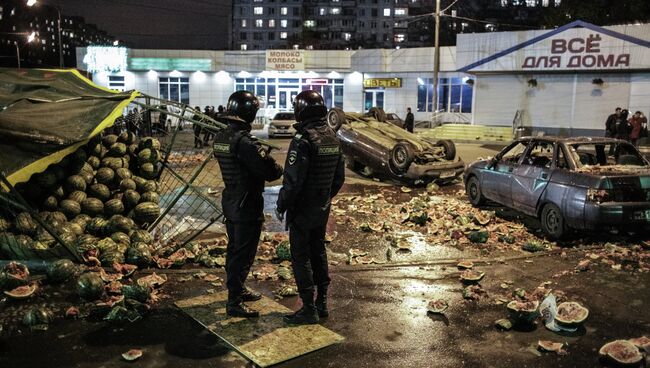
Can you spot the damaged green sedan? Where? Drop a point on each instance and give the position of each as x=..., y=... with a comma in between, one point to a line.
x=374, y=147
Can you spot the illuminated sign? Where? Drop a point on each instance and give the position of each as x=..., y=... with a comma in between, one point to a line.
x=109, y=59
x=382, y=83
x=168, y=64
x=317, y=81
x=285, y=60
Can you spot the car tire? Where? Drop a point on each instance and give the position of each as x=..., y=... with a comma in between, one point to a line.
x=449, y=147
x=474, y=192
x=553, y=221
x=401, y=157
x=378, y=113
x=335, y=118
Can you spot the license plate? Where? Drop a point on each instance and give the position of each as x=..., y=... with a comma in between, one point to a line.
x=447, y=174
x=641, y=215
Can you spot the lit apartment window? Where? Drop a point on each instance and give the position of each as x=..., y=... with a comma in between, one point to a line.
x=259, y=23
x=283, y=23
x=545, y=3
x=504, y=3
x=258, y=10
x=271, y=23
x=322, y=11
x=243, y=23
x=335, y=11
x=531, y=3
x=400, y=37
x=283, y=35
x=283, y=10
x=310, y=23
x=386, y=12
x=243, y=47
x=401, y=11
x=347, y=36
x=557, y=2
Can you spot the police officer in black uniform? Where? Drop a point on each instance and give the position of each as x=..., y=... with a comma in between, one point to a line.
x=245, y=166
x=314, y=173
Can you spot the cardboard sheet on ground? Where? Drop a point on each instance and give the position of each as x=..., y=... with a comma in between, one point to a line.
x=266, y=340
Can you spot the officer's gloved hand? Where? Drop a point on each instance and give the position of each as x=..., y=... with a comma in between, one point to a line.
x=279, y=215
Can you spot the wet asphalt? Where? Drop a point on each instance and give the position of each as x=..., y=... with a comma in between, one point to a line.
x=379, y=309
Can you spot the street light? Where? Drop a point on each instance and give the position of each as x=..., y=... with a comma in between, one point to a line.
x=58, y=11
x=30, y=38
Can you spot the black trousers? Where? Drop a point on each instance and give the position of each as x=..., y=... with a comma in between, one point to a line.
x=309, y=258
x=243, y=238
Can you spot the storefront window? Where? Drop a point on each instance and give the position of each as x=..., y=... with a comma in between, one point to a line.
x=454, y=95
x=174, y=89
x=279, y=92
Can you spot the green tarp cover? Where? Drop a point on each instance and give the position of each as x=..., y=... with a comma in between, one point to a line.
x=47, y=114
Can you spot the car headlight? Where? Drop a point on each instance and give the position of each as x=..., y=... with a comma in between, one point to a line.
x=599, y=195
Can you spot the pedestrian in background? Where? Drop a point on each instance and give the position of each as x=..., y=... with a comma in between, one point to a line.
x=245, y=166
x=409, y=121
x=610, y=123
x=313, y=174
x=196, y=128
x=623, y=126
x=636, y=125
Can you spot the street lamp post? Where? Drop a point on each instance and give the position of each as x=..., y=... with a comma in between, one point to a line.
x=17, y=53
x=58, y=12
x=436, y=57
x=30, y=38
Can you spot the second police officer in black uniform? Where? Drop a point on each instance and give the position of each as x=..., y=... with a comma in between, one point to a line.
x=245, y=166
x=314, y=173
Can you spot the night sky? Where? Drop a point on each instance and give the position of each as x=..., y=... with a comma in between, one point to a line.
x=159, y=24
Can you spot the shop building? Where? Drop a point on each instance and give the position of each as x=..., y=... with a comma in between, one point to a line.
x=562, y=81
x=353, y=80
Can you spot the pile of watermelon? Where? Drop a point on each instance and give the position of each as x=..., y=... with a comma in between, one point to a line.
x=100, y=199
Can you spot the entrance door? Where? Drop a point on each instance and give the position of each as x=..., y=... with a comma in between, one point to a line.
x=373, y=98
x=286, y=97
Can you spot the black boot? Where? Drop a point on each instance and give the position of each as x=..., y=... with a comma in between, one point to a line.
x=236, y=308
x=307, y=315
x=250, y=296
x=321, y=303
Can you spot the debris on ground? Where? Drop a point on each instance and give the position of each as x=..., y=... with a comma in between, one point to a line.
x=551, y=346
x=132, y=355
x=437, y=306
x=621, y=352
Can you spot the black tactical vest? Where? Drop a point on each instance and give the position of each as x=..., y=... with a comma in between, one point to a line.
x=225, y=150
x=324, y=157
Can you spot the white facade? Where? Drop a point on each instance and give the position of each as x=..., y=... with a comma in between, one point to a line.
x=565, y=81
x=553, y=78
x=223, y=72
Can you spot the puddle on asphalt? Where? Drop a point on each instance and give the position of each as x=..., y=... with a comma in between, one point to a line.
x=421, y=249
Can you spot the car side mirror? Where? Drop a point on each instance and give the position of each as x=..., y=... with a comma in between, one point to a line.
x=492, y=163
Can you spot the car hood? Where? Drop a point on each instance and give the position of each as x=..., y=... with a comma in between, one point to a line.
x=283, y=122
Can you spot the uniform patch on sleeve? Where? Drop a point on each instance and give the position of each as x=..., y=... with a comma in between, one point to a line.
x=293, y=156
x=262, y=152
x=221, y=147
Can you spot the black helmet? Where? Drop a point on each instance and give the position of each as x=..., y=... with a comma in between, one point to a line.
x=308, y=105
x=244, y=105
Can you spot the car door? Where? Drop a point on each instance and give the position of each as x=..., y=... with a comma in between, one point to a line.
x=531, y=176
x=495, y=179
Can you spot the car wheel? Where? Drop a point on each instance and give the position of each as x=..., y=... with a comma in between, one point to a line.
x=378, y=113
x=335, y=118
x=449, y=148
x=474, y=193
x=401, y=156
x=553, y=221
